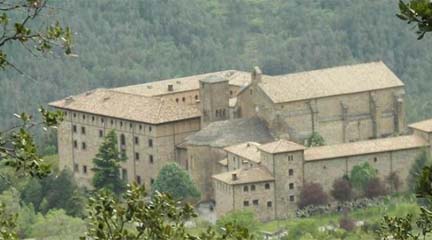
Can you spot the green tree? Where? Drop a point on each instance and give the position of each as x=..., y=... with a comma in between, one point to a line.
x=422, y=160
x=107, y=165
x=418, y=12
x=342, y=189
x=174, y=180
x=361, y=175
x=134, y=217
x=315, y=140
x=16, y=26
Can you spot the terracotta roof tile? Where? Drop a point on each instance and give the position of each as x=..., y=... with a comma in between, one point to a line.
x=245, y=175
x=247, y=150
x=330, y=82
x=190, y=83
x=281, y=146
x=364, y=147
x=132, y=107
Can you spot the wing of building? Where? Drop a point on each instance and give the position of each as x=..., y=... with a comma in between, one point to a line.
x=240, y=135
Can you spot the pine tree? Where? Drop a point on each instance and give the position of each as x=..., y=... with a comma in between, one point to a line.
x=107, y=165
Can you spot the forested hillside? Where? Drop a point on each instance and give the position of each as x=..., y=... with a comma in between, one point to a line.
x=127, y=42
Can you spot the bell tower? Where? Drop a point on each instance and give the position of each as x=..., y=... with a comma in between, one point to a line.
x=214, y=100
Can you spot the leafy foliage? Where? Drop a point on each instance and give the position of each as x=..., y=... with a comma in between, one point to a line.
x=361, y=175
x=342, y=189
x=312, y=194
x=16, y=26
x=107, y=164
x=375, y=188
x=315, y=140
x=175, y=181
x=243, y=218
x=418, y=12
x=416, y=169
x=137, y=218
x=394, y=182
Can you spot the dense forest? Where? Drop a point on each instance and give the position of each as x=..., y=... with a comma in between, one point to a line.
x=127, y=42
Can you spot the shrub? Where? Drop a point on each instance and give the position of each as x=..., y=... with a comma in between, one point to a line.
x=314, y=140
x=342, y=190
x=346, y=222
x=421, y=161
x=375, y=188
x=312, y=194
x=361, y=174
x=244, y=218
x=394, y=182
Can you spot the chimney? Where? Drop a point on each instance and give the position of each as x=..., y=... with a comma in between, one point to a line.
x=170, y=87
x=234, y=177
x=69, y=99
x=256, y=75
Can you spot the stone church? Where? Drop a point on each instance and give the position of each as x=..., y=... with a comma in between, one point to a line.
x=241, y=135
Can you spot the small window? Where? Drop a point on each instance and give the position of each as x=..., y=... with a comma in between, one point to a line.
x=93, y=118
x=267, y=186
x=150, y=142
x=124, y=174
x=375, y=159
x=65, y=113
x=136, y=140
x=140, y=127
x=137, y=156
x=74, y=128
x=112, y=122
x=196, y=97
x=138, y=180
x=252, y=187
x=291, y=172
x=85, y=169
x=83, y=116
x=102, y=120
x=75, y=143
x=290, y=157
x=184, y=99
x=150, y=128
x=151, y=180
x=151, y=159
x=83, y=146
x=246, y=203
x=101, y=133
x=245, y=189
x=83, y=130
x=74, y=115
x=130, y=125
x=255, y=202
x=292, y=198
x=177, y=100
x=291, y=186
x=269, y=204
x=76, y=167
x=231, y=93
x=122, y=140
x=121, y=123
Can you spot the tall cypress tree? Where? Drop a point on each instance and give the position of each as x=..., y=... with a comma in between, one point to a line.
x=107, y=164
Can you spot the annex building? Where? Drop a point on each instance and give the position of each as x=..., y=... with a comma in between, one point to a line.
x=241, y=135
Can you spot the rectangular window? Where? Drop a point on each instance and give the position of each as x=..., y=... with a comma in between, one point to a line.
x=83, y=146
x=150, y=142
x=124, y=174
x=83, y=131
x=75, y=144
x=85, y=169
x=101, y=133
x=291, y=186
x=267, y=186
x=255, y=202
x=246, y=203
x=292, y=198
x=151, y=159
x=74, y=128
x=138, y=180
x=137, y=156
x=245, y=189
x=137, y=140
x=290, y=157
x=291, y=172
x=252, y=187
x=151, y=180
x=269, y=204
x=76, y=167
